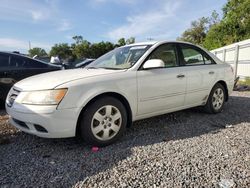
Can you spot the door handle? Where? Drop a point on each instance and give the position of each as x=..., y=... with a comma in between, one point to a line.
x=180, y=76
x=211, y=72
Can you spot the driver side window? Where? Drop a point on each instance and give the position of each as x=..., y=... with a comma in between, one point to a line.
x=167, y=53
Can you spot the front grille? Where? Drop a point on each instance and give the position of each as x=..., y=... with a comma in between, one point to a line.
x=12, y=97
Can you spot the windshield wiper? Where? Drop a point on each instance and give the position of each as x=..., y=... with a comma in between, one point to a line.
x=109, y=68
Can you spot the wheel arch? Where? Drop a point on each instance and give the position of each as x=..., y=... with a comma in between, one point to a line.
x=118, y=96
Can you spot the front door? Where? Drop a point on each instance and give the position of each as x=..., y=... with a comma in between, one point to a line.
x=163, y=88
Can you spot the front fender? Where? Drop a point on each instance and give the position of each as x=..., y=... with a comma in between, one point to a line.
x=81, y=92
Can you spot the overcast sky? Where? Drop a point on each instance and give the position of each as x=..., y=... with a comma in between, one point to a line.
x=46, y=22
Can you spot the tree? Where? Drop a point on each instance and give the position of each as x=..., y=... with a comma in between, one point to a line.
x=214, y=19
x=62, y=50
x=197, y=32
x=78, y=39
x=121, y=42
x=37, y=51
x=130, y=40
x=234, y=26
x=98, y=49
x=81, y=49
x=214, y=37
x=236, y=17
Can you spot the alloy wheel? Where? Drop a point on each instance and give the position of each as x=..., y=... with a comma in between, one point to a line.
x=218, y=98
x=106, y=122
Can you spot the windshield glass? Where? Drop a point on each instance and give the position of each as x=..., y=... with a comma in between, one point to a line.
x=120, y=58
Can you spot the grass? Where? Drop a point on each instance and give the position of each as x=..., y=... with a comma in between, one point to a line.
x=245, y=82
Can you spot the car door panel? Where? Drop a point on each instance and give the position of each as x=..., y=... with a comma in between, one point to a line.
x=159, y=90
x=163, y=88
x=201, y=74
x=199, y=83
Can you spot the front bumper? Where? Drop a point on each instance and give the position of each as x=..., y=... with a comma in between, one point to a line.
x=44, y=121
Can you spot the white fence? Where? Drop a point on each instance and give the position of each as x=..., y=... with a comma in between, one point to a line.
x=237, y=55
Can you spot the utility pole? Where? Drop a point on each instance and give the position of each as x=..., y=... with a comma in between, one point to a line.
x=29, y=45
x=236, y=60
x=150, y=39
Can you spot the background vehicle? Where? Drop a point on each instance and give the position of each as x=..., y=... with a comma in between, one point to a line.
x=84, y=63
x=15, y=67
x=129, y=83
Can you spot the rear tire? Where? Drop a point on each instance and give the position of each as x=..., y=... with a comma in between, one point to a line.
x=103, y=122
x=216, y=99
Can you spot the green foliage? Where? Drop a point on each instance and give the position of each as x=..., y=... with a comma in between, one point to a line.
x=62, y=50
x=121, y=42
x=37, y=51
x=98, y=49
x=81, y=48
x=131, y=40
x=214, y=33
x=234, y=27
x=78, y=39
x=214, y=36
x=197, y=33
x=246, y=81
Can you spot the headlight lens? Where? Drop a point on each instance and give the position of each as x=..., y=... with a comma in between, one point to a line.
x=46, y=97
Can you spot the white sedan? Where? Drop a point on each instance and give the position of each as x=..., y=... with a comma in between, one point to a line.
x=129, y=83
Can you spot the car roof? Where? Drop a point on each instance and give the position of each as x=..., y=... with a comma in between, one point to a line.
x=142, y=43
x=13, y=53
x=158, y=42
x=17, y=54
x=23, y=55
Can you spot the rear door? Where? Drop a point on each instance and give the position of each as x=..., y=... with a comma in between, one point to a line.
x=23, y=67
x=32, y=67
x=201, y=73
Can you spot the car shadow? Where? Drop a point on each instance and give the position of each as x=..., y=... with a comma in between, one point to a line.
x=75, y=162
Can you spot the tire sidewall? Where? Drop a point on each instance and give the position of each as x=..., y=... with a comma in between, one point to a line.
x=86, y=120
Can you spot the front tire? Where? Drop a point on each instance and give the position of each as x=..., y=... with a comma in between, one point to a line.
x=216, y=99
x=103, y=122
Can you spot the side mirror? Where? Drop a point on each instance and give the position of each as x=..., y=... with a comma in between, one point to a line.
x=153, y=63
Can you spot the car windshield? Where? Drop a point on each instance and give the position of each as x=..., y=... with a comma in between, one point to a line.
x=120, y=58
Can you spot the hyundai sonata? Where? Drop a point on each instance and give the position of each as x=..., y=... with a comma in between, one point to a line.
x=132, y=82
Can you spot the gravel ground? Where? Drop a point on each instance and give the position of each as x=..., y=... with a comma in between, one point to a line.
x=183, y=149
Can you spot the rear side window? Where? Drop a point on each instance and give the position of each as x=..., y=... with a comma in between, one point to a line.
x=16, y=61
x=167, y=53
x=29, y=63
x=4, y=60
x=22, y=62
x=194, y=56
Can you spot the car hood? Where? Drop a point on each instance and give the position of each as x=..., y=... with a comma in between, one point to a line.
x=51, y=80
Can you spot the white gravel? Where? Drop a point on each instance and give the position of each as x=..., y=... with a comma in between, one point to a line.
x=184, y=149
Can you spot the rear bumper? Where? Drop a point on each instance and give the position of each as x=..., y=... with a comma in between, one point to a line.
x=44, y=121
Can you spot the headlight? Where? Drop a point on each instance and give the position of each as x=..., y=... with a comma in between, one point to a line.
x=46, y=97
